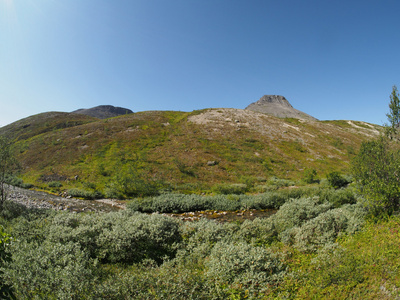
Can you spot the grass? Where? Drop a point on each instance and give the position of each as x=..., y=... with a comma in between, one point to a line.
x=363, y=266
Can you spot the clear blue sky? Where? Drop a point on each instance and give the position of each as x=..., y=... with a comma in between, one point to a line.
x=331, y=59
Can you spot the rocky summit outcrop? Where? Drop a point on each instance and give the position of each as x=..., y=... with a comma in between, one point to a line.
x=104, y=111
x=278, y=106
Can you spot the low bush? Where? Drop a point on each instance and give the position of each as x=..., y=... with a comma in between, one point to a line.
x=295, y=212
x=6, y=291
x=227, y=189
x=48, y=270
x=119, y=237
x=55, y=184
x=336, y=180
x=310, y=176
x=16, y=181
x=199, y=238
x=260, y=231
x=85, y=194
x=326, y=227
x=176, y=203
x=242, y=270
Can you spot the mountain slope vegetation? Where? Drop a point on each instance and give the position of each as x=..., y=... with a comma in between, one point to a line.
x=182, y=150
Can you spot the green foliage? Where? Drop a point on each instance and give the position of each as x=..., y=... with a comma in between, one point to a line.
x=8, y=166
x=362, y=266
x=394, y=106
x=336, y=180
x=326, y=227
x=55, y=184
x=260, y=231
x=376, y=170
x=118, y=237
x=310, y=176
x=16, y=181
x=226, y=189
x=6, y=291
x=48, y=270
x=177, y=203
x=84, y=193
x=243, y=270
x=295, y=212
x=128, y=183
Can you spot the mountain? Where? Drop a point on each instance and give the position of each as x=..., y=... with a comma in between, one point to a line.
x=279, y=107
x=104, y=111
x=187, y=151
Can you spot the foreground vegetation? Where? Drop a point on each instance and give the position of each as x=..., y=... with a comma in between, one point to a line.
x=127, y=254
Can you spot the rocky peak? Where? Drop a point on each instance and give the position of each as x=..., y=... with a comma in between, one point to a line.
x=274, y=99
x=277, y=106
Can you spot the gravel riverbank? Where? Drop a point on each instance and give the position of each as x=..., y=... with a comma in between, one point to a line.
x=37, y=199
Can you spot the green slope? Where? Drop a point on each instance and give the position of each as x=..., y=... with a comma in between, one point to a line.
x=177, y=148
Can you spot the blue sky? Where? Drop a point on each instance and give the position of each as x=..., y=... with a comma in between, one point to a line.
x=330, y=59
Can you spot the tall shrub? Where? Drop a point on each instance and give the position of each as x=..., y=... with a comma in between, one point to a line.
x=376, y=169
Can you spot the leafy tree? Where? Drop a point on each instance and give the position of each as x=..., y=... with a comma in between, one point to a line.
x=394, y=106
x=376, y=169
x=7, y=166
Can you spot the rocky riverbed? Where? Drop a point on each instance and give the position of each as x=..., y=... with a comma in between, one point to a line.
x=38, y=199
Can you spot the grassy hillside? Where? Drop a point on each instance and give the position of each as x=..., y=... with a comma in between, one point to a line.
x=180, y=150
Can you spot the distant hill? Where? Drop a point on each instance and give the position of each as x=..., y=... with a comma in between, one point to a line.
x=104, y=111
x=279, y=107
x=185, y=150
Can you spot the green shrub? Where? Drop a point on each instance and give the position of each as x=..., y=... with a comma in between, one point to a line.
x=337, y=197
x=295, y=212
x=85, y=194
x=242, y=270
x=48, y=270
x=55, y=184
x=376, y=170
x=336, y=180
x=176, y=203
x=16, y=181
x=138, y=237
x=277, y=182
x=327, y=226
x=226, y=189
x=6, y=291
x=128, y=183
x=119, y=237
x=200, y=236
x=310, y=176
x=260, y=231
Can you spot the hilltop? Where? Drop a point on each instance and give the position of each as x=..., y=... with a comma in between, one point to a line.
x=278, y=106
x=103, y=111
x=184, y=150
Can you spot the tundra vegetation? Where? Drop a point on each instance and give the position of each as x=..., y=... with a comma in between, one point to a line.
x=332, y=238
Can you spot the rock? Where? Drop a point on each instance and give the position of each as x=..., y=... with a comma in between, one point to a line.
x=278, y=106
x=212, y=163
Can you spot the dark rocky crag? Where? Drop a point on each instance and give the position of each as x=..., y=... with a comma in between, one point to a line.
x=104, y=111
x=278, y=106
